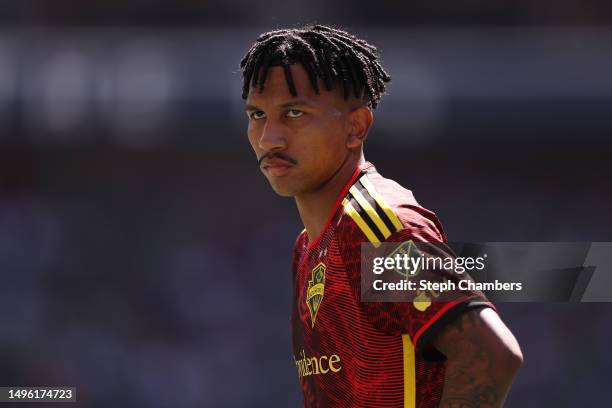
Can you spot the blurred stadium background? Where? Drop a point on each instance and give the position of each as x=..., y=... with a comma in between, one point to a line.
x=145, y=260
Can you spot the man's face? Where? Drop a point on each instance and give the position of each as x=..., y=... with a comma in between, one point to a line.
x=301, y=141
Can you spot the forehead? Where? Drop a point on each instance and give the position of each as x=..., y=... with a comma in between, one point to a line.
x=276, y=90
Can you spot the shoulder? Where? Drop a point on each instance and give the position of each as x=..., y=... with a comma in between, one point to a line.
x=300, y=242
x=377, y=209
x=299, y=248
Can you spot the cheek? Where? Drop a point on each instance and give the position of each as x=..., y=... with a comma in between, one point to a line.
x=320, y=152
x=330, y=141
x=253, y=133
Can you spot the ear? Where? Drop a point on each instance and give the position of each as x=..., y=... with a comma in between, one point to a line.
x=359, y=121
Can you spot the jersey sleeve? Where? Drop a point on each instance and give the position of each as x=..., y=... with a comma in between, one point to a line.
x=424, y=314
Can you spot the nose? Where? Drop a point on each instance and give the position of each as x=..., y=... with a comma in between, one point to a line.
x=272, y=137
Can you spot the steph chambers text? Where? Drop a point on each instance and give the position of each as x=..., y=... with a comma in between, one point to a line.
x=446, y=285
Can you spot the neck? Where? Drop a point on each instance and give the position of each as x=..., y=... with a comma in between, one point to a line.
x=316, y=206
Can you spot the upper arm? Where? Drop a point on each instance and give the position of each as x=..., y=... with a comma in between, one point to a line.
x=482, y=337
x=483, y=358
x=419, y=313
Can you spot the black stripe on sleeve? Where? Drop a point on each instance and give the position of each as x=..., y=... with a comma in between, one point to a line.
x=381, y=213
x=423, y=343
x=367, y=219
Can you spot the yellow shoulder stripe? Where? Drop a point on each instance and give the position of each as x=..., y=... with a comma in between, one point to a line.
x=350, y=210
x=370, y=211
x=381, y=202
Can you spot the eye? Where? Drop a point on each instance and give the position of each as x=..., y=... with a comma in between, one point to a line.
x=294, y=113
x=257, y=115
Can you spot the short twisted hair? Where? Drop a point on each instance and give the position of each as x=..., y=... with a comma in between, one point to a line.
x=333, y=55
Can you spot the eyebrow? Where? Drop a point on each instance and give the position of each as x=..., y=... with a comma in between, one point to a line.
x=289, y=104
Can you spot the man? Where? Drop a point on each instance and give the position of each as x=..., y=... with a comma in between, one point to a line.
x=310, y=96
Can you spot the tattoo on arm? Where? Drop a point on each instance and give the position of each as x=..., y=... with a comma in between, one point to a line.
x=474, y=378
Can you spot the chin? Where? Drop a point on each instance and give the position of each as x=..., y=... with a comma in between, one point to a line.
x=284, y=188
x=283, y=191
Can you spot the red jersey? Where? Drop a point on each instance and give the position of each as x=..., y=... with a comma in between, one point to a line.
x=350, y=353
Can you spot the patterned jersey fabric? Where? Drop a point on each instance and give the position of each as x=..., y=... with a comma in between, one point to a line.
x=350, y=353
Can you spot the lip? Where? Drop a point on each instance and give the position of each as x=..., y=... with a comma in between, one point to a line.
x=275, y=167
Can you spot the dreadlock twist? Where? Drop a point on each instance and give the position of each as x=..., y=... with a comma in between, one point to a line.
x=330, y=54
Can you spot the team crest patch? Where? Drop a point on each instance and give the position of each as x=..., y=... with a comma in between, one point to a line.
x=421, y=302
x=314, y=293
x=409, y=249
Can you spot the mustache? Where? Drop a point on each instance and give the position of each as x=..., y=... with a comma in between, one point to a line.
x=274, y=155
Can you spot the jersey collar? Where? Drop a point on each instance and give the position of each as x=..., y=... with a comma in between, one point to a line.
x=359, y=170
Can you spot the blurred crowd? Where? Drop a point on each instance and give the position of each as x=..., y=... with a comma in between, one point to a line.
x=143, y=257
